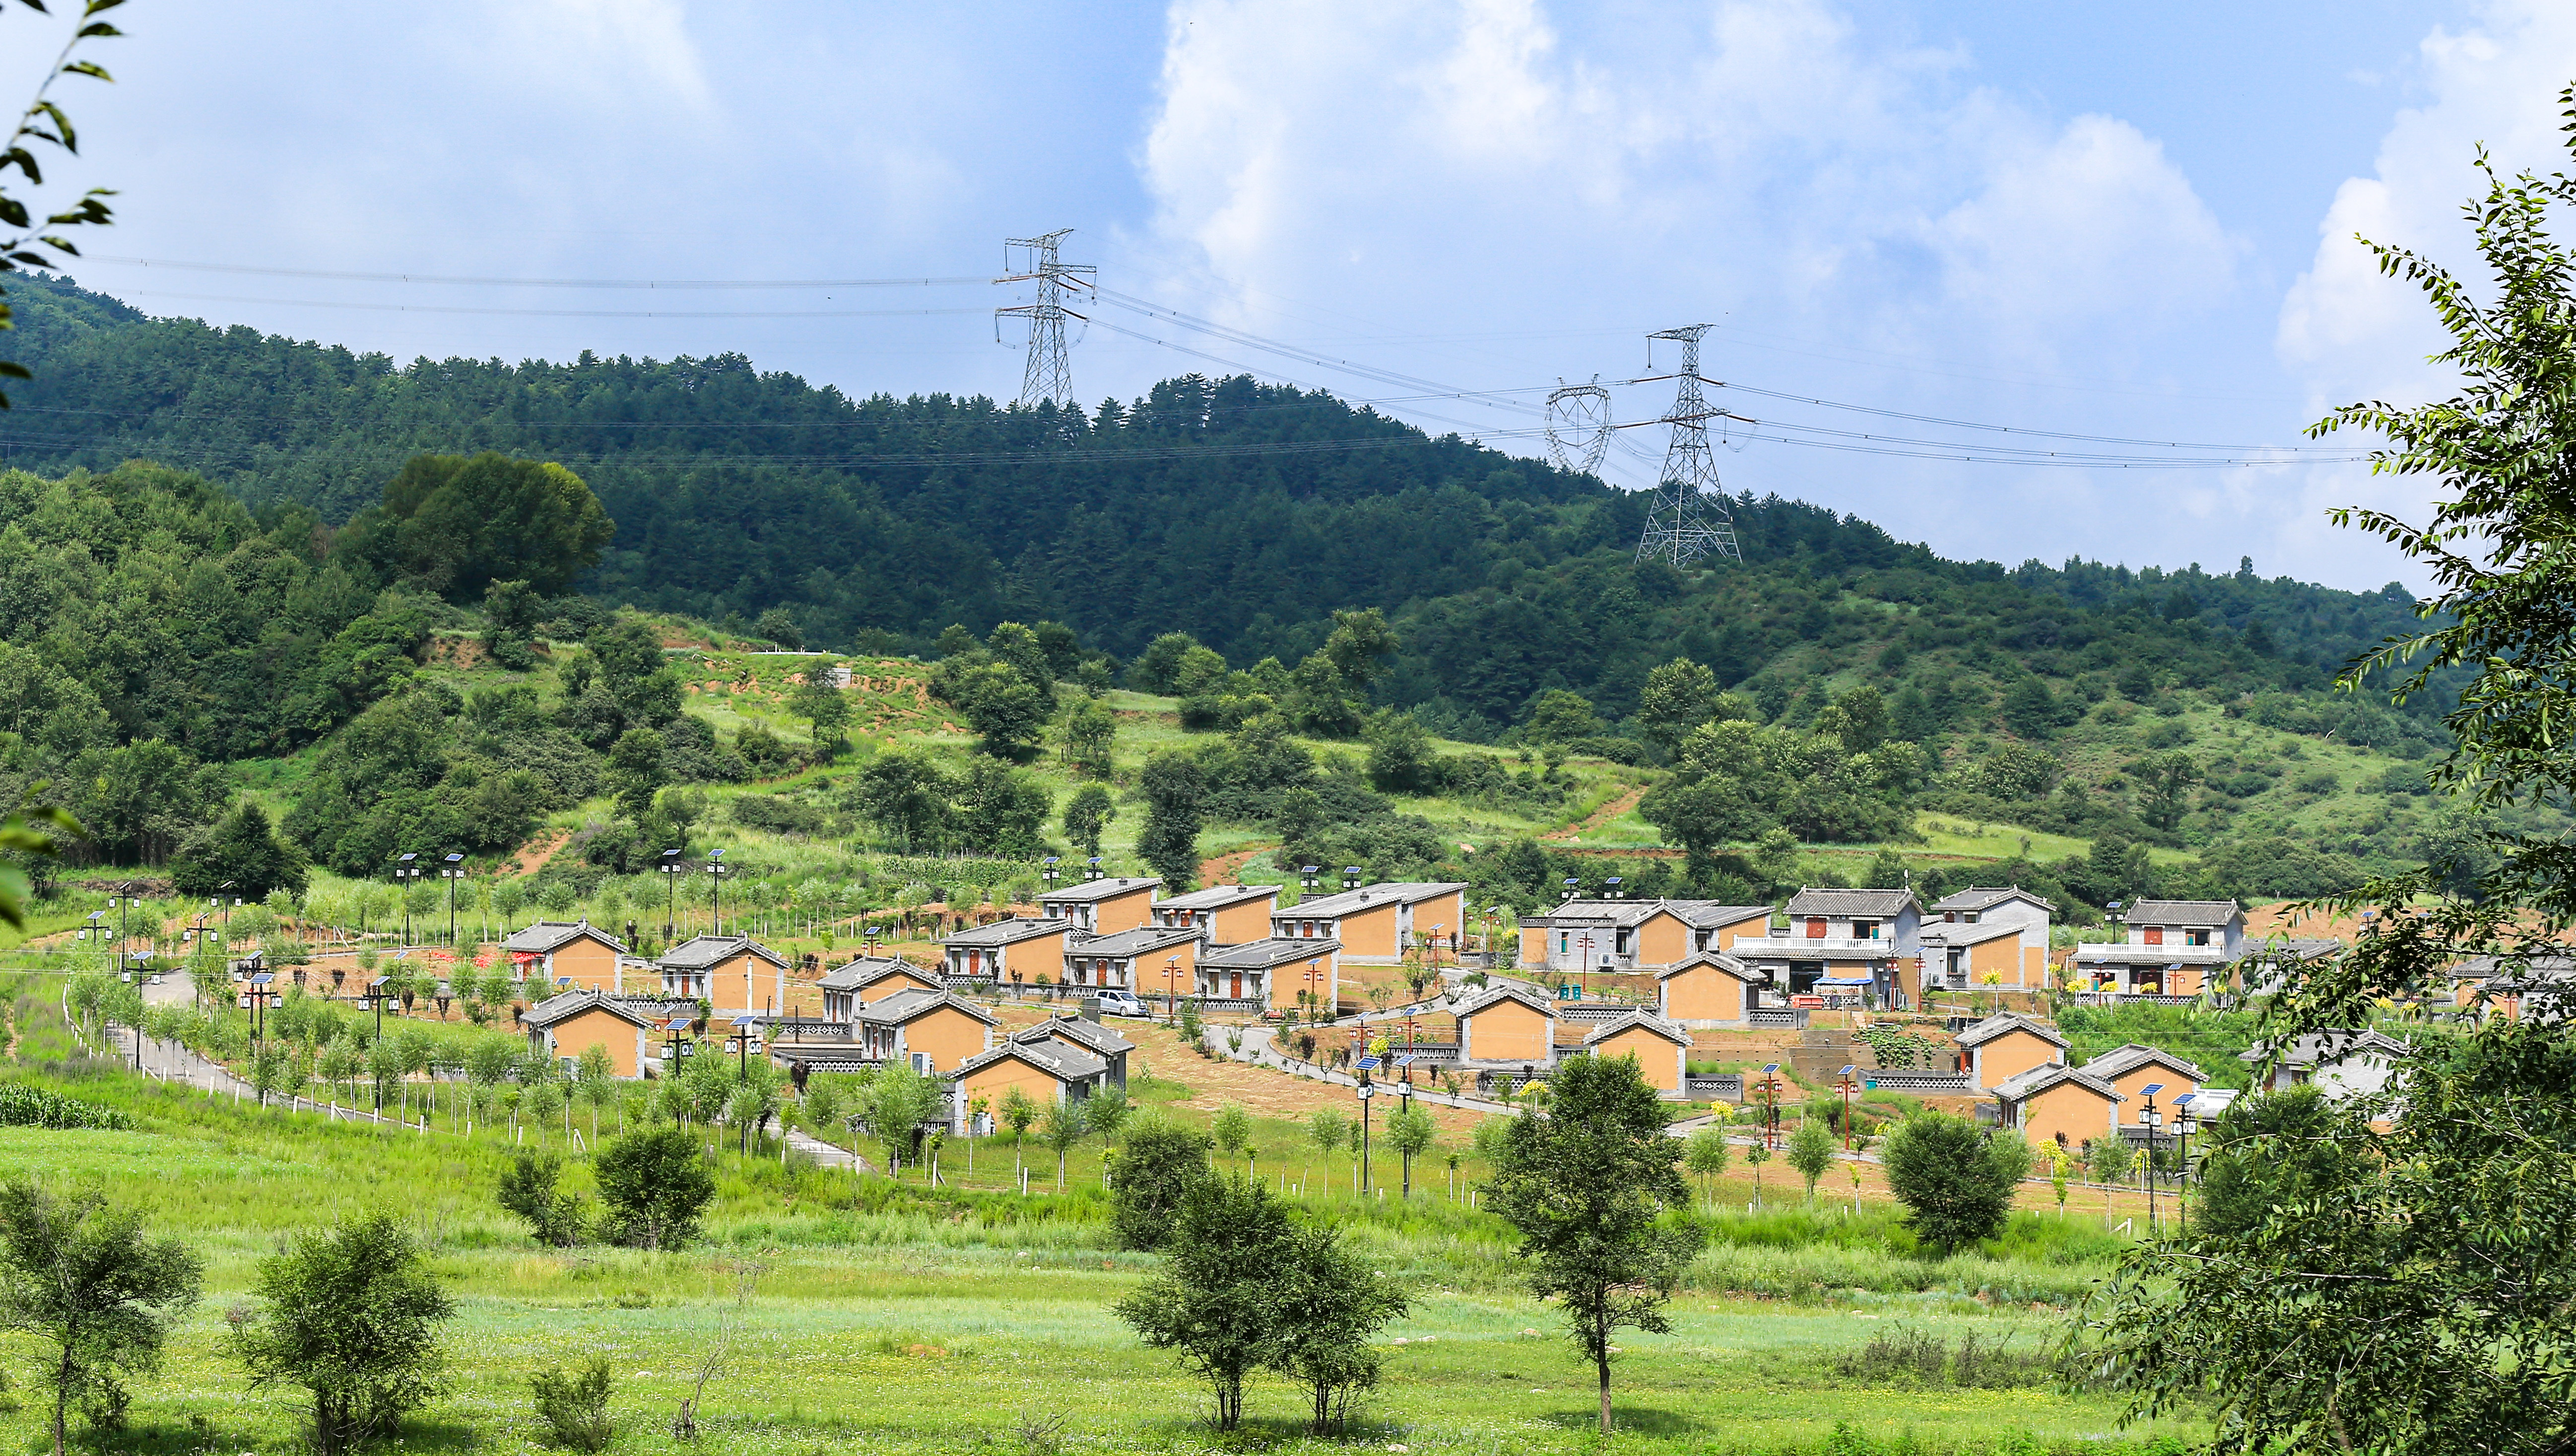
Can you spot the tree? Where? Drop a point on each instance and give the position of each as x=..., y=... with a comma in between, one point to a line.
x=1329, y=1131
x=1704, y=1154
x=2284, y=1149
x=1060, y=1126
x=1086, y=814
x=351, y=1314
x=1005, y=708
x=243, y=849
x=999, y=810
x=896, y=1102
x=1329, y=1306
x=818, y=701
x=1215, y=1301
x=456, y=524
x=1157, y=669
x=905, y=794
x=1587, y=1186
x=656, y=1185
x=779, y=625
x=1089, y=733
x=1018, y=1113
x=1105, y=1112
x=1399, y=756
x=1231, y=1129
x=1811, y=1152
x=528, y=1189
x=45, y=121
x=2165, y=788
x=1410, y=1131
x=82, y=1278
x=511, y=611
x=636, y=771
x=1858, y=717
x=1359, y=645
x=1956, y=1182
x=1678, y=697
x=1559, y=716
x=1700, y=813
x=1175, y=793
x=1162, y=1164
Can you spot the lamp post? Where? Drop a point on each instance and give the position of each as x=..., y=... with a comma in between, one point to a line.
x=716, y=871
x=1771, y=1105
x=1046, y=867
x=1171, y=997
x=2186, y=1121
x=2111, y=912
x=1315, y=978
x=1847, y=1085
x=1492, y=913
x=1365, y=1092
x=1351, y=876
x=451, y=869
x=122, y=902
x=1308, y=877
x=224, y=900
x=668, y=862
x=376, y=992
x=1583, y=967
x=2147, y=1118
x=406, y=870
x=1404, y=1099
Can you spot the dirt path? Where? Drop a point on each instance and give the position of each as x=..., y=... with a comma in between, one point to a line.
x=1626, y=801
x=533, y=855
x=1222, y=869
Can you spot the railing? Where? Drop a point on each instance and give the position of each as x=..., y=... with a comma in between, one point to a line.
x=1596, y=1010
x=2123, y=998
x=1225, y=1005
x=1777, y=1018
x=1899, y=1079
x=805, y=1028
x=1726, y=1087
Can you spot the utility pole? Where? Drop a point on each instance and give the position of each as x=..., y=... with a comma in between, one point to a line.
x=1049, y=377
x=1688, y=519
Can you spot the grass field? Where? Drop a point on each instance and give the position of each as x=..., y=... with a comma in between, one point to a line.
x=892, y=1316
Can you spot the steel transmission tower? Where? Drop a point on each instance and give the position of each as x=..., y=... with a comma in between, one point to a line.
x=1688, y=519
x=1050, y=376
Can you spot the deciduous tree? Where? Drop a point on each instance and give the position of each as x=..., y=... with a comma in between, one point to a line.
x=81, y=1278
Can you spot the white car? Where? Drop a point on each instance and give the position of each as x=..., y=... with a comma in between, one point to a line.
x=1122, y=1003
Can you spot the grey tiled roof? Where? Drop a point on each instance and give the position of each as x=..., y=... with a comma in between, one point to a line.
x=1067, y=1063
x=911, y=1005
x=548, y=935
x=1261, y=955
x=1007, y=932
x=1217, y=897
x=1842, y=903
x=1087, y=890
x=1709, y=914
x=1595, y=912
x=1143, y=940
x=2120, y=1061
x=866, y=969
x=1090, y=1035
x=1995, y=1026
x=564, y=1006
x=1942, y=932
x=1369, y=897
x=699, y=952
x=1980, y=897
x=2212, y=913
x=1671, y=1031
x=1718, y=958
x=1498, y=994
x=2048, y=1074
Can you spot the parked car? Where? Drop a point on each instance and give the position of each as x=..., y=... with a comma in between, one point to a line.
x=1122, y=1003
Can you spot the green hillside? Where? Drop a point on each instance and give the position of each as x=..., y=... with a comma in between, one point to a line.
x=294, y=604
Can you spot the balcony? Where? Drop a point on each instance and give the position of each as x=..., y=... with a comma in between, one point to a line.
x=2151, y=955
x=1816, y=948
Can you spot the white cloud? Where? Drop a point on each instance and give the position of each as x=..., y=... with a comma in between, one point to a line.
x=2347, y=332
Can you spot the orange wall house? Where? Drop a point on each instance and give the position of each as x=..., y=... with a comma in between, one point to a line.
x=2132, y=1068
x=1135, y=960
x=1226, y=914
x=1048, y=1074
x=1662, y=1052
x=1706, y=990
x=730, y=972
x=878, y=988
x=1377, y=922
x=555, y=955
x=2061, y=1105
x=934, y=1030
x=1271, y=971
x=1018, y=951
x=570, y=1024
x=2000, y=1048
x=1103, y=907
x=1506, y=1026
x=1370, y=931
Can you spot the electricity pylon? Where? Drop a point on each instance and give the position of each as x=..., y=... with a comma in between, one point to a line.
x=1688, y=519
x=1049, y=376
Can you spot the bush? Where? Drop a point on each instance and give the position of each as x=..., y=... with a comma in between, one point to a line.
x=656, y=1184
x=575, y=1407
x=1159, y=1167
x=528, y=1190
x=1956, y=1183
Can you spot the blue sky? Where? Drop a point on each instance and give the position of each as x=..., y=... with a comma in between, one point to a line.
x=2118, y=221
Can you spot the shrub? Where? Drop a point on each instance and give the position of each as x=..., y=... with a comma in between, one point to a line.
x=1157, y=1169
x=656, y=1184
x=528, y=1190
x=575, y=1407
x=22, y=1105
x=1956, y=1183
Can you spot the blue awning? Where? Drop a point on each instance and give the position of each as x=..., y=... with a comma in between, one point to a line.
x=1847, y=981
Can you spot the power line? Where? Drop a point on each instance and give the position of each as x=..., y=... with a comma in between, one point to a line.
x=621, y=313
x=443, y=279
x=1688, y=518
x=1049, y=376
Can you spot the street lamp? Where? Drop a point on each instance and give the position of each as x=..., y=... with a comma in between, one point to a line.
x=1314, y=979
x=1610, y=887
x=1351, y=876
x=1049, y=870
x=1365, y=1092
x=1573, y=887
x=668, y=862
x=2148, y=1118
x=1846, y=1085
x=451, y=869
x=406, y=870
x=1171, y=998
x=377, y=993
x=1091, y=869
x=2186, y=1122
x=1404, y=1097
x=1308, y=877
x=716, y=871
x=1771, y=1105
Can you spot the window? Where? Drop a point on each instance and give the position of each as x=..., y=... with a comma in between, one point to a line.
x=2195, y=937
x=1864, y=930
x=1815, y=927
x=2155, y=935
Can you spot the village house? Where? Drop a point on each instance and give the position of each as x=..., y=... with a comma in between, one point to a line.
x=1276, y=973
x=2511, y=986
x=1507, y=1025
x=1375, y=923
x=1708, y=990
x=2339, y=1064
x=1086, y=1035
x=1221, y=914
x=1662, y=1049
x=1840, y=944
x=732, y=973
x=1048, y=1071
x=2000, y=1048
x=2174, y=950
x=628, y=1028
x=561, y=953
x=1102, y=907
x=2133, y=1068
x=1987, y=937
x=870, y=978
x=1628, y=935
x=1025, y=952
x=931, y=1031
x=2057, y=1103
x=1147, y=961
x=1715, y=924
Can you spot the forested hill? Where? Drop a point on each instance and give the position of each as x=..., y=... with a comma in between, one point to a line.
x=1241, y=513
